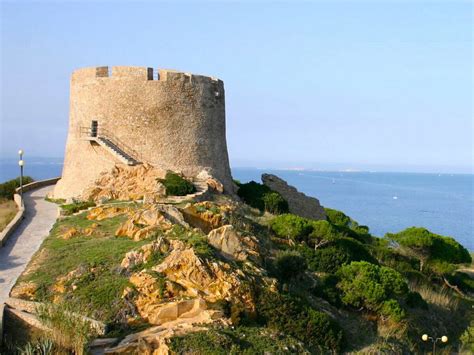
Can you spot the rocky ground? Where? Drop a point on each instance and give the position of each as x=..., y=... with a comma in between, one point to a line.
x=195, y=277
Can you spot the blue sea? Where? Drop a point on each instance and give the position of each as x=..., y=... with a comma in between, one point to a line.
x=386, y=202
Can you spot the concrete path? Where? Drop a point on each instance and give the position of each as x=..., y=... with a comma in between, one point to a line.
x=40, y=216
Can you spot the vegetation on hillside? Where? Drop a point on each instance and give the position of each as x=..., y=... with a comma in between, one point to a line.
x=7, y=188
x=176, y=185
x=262, y=197
x=314, y=287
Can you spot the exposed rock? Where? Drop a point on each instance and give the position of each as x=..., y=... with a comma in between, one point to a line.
x=105, y=212
x=212, y=281
x=144, y=223
x=213, y=183
x=205, y=215
x=125, y=182
x=141, y=256
x=70, y=233
x=153, y=341
x=298, y=202
x=25, y=290
x=172, y=214
x=232, y=244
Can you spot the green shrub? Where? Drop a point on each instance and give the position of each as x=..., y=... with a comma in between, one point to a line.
x=176, y=185
x=262, y=197
x=367, y=285
x=291, y=226
x=327, y=289
x=338, y=218
x=392, y=310
x=323, y=231
x=239, y=340
x=290, y=315
x=331, y=257
x=252, y=193
x=431, y=248
x=275, y=203
x=72, y=208
x=290, y=265
x=196, y=240
x=7, y=189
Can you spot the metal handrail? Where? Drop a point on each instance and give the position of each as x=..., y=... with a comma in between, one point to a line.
x=104, y=133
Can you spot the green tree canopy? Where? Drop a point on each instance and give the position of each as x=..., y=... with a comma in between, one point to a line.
x=430, y=248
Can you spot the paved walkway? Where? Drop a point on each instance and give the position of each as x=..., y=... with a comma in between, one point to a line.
x=26, y=239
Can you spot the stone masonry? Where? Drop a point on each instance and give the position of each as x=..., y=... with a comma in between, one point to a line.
x=168, y=119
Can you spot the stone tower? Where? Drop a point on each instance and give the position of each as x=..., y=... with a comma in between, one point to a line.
x=171, y=120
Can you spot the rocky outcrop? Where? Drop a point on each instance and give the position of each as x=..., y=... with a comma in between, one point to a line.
x=210, y=280
x=298, y=202
x=125, y=182
x=104, y=212
x=144, y=254
x=205, y=215
x=214, y=184
x=143, y=223
x=232, y=244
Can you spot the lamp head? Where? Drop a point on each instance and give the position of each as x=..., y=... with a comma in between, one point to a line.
x=21, y=163
x=424, y=337
x=444, y=339
x=20, y=152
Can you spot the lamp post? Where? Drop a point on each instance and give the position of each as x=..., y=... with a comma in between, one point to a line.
x=426, y=337
x=21, y=163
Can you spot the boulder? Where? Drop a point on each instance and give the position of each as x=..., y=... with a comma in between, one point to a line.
x=232, y=244
x=144, y=223
x=126, y=183
x=211, y=280
x=205, y=215
x=214, y=184
x=142, y=255
x=298, y=202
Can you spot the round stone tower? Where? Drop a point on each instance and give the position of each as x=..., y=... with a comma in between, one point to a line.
x=171, y=120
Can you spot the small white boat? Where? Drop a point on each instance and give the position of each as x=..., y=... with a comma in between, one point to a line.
x=395, y=197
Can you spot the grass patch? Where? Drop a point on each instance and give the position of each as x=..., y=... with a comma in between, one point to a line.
x=7, y=212
x=98, y=289
x=72, y=208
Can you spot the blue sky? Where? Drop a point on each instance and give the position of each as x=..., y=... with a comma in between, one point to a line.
x=323, y=84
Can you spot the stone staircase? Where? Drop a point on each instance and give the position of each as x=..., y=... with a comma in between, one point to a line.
x=116, y=151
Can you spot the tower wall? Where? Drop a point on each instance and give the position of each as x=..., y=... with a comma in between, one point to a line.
x=173, y=120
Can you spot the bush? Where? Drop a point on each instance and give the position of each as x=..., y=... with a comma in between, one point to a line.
x=239, y=340
x=176, y=185
x=338, y=218
x=262, y=197
x=7, y=189
x=252, y=194
x=291, y=226
x=290, y=265
x=340, y=252
x=367, y=285
x=392, y=310
x=327, y=289
x=431, y=248
x=72, y=208
x=290, y=315
x=275, y=203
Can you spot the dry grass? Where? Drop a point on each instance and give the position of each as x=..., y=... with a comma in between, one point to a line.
x=7, y=212
x=442, y=298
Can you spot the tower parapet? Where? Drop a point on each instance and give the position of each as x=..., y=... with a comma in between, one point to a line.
x=174, y=120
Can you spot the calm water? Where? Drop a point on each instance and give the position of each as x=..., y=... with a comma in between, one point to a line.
x=390, y=202
x=386, y=202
